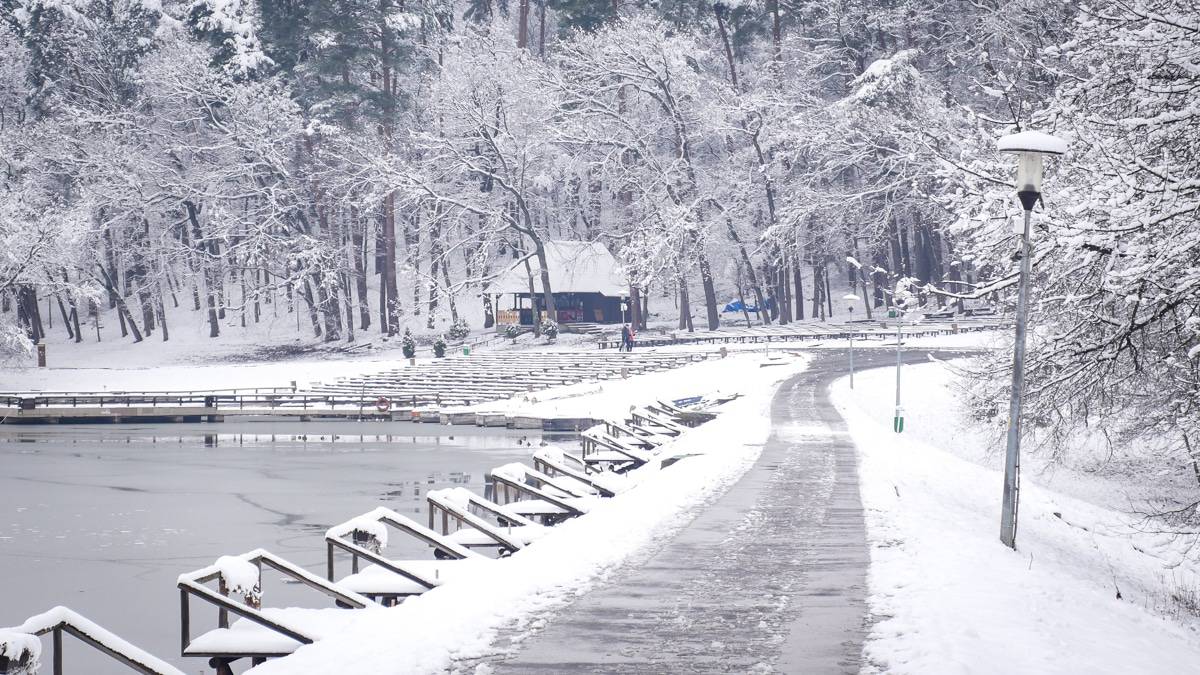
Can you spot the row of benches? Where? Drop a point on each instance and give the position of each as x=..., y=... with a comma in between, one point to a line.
x=467, y=380
x=465, y=531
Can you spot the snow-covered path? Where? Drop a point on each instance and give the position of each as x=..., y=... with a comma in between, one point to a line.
x=768, y=578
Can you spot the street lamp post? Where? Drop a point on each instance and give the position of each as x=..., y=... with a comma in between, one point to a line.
x=898, y=416
x=850, y=297
x=1030, y=147
x=624, y=303
x=903, y=299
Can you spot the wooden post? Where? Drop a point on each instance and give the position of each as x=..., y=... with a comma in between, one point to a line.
x=222, y=613
x=329, y=561
x=185, y=620
x=58, y=651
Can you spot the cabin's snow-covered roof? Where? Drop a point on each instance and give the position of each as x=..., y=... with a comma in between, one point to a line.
x=575, y=267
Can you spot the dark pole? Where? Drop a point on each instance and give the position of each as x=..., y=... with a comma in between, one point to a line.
x=1012, y=458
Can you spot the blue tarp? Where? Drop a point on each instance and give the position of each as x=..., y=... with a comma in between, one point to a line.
x=736, y=306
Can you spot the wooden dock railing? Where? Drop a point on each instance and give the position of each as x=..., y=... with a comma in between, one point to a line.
x=65, y=621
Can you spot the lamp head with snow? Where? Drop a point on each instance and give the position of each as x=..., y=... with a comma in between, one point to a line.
x=1031, y=147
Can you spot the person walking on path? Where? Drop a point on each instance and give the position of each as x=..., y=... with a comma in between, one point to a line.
x=626, y=339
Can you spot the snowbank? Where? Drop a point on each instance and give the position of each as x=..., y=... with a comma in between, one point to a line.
x=460, y=620
x=1079, y=595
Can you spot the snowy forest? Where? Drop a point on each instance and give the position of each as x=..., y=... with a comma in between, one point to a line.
x=362, y=167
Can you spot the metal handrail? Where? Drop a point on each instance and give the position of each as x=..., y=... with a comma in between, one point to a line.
x=60, y=620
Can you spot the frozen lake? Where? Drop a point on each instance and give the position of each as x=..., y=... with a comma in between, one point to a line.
x=104, y=518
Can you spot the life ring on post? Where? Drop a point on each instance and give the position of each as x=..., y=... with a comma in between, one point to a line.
x=382, y=404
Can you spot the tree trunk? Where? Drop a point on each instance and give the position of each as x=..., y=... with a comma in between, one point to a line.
x=489, y=310
x=450, y=299
x=828, y=291
x=358, y=256
x=719, y=10
x=710, y=294
x=798, y=280
x=313, y=316
x=542, y=29
x=523, y=25
x=533, y=310
x=161, y=310
x=635, y=307
x=751, y=275
x=122, y=308
x=539, y=251
x=817, y=306
x=62, y=310
x=214, y=322
x=389, y=319
x=685, y=307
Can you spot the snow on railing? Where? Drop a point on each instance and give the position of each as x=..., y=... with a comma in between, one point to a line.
x=374, y=525
x=457, y=503
x=61, y=620
x=245, y=570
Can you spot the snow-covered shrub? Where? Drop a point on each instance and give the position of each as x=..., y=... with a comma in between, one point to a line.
x=14, y=344
x=550, y=328
x=22, y=651
x=458, y=330
x=439, y=347
x=511, y=331
x=241, y=578
x=369, y=533
x=408, y=345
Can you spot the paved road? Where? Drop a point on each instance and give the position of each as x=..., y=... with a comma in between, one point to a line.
x=769, y=578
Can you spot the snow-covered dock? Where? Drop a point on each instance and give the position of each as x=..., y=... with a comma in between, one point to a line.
x=933, y=325
x=466, y=535
x=442, y=391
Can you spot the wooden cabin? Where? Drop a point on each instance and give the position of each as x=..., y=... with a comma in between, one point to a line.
x=585, y=279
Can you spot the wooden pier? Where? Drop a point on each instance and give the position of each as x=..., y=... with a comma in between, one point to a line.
x=935, y=325
x=436, y=392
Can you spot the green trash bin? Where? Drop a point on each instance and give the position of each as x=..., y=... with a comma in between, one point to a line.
x=891, y=313
x=466, y=350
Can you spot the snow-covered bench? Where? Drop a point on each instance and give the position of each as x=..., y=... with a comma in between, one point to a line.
x=524, y=491
x=554, y=462
x=601, y=449
x=476, y=522
x=258, y=633
x=390, y=580
x=21, y=650
x=657, y=421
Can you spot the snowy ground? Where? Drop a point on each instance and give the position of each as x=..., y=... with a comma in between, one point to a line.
x=459, y=620
x=1086, y=590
